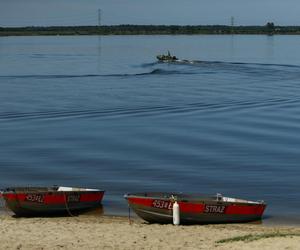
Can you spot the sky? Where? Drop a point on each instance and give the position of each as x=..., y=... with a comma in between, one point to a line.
x=14, y=13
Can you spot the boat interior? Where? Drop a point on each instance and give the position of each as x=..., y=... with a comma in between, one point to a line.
x=46, y=189
x=191, y=197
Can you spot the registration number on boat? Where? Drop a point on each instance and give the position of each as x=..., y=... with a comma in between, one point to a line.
x=214, y=209
x=162, y=204
x=39, y=198
x=73, y=198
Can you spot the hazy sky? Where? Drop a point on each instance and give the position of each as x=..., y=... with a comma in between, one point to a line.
x=85, y=12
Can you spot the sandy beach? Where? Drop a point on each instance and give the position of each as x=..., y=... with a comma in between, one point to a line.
x=109, y=232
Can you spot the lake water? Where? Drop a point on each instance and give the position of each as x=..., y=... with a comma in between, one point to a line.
x=101, y=112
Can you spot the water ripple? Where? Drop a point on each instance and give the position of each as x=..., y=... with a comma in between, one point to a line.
x=147, y=110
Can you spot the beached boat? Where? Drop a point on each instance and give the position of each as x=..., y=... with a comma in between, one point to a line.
x=194, y=209
x=36, y=201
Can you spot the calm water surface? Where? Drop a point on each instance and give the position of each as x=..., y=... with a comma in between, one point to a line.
x=100, y=112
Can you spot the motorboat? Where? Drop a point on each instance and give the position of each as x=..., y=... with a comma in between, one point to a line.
x=194, y=209
x=37, y=201
x=166, y=58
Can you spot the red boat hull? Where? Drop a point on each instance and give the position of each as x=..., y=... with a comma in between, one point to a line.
x=51, y=202
x=195, y=211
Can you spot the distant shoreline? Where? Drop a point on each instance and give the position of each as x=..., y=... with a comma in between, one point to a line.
x=150, y=30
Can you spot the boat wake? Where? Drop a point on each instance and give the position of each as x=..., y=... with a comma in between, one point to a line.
x=201, y=63
x=271, y=71
x=179, y=67
x=144, y=110
x=152, y=72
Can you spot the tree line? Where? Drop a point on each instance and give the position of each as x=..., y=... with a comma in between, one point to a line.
x=128, y=29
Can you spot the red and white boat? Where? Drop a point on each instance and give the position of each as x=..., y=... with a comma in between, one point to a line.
x=36, y=201
x=194, y=209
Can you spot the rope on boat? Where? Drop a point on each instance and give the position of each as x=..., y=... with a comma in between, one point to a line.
x=6, y=208
x=173, y=198
x=3, y=202
x=67, y=207
x=129, y=216
x=17, y=198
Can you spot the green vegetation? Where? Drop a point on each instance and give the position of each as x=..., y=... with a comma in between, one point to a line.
x=271, y=28
x=268, y=29
x=253, y=237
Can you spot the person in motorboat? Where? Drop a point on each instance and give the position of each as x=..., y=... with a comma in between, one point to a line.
x=168, y=57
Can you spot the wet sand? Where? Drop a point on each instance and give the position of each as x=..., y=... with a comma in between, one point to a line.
x=109, y=232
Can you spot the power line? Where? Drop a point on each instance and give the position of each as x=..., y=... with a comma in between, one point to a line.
x=232, y=23
x=99, y=17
